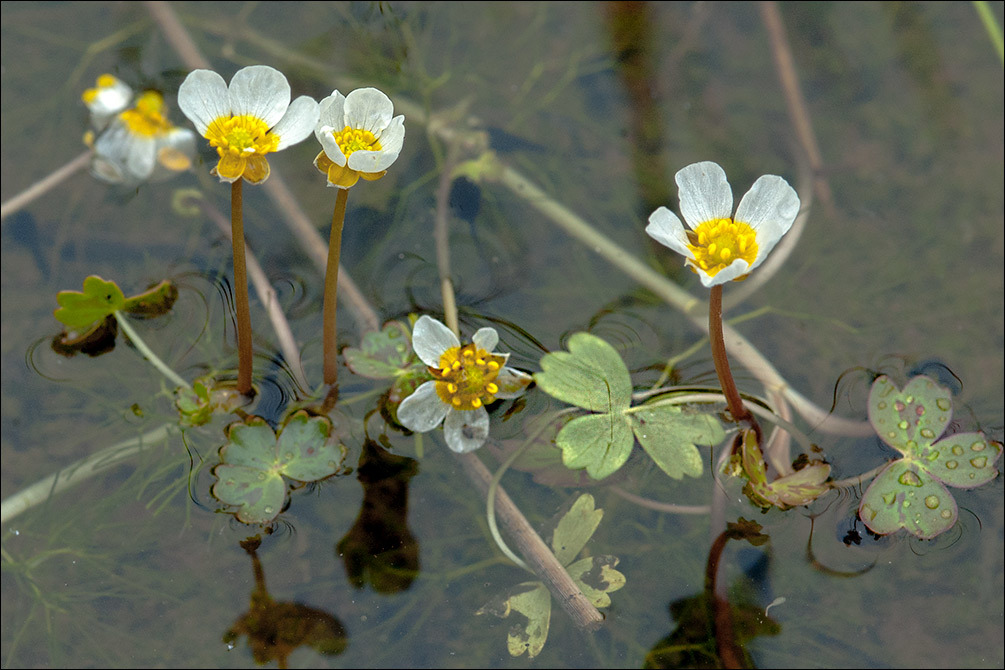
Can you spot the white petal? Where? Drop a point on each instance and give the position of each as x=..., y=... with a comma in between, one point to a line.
x=430, y=339
x=371, y=161
x=486, y=338
x=203, y=98
x=704, y=193
x=330, y=146
x=368, y=109
x=667, y=229
x=423, y=410
x=734, y=270
x=260, y=91
x=141, y=159
x=466, y=430
x=108, y=101
x=393, y=137
x=769, y=207
x=298, y=122
x=120, y=156
x=512, y=383
x=331, y=111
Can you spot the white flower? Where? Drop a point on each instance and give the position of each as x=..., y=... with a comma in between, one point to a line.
x=359, y=136
x=251, y=118
x=134, y=144
x=467, y=378
x=718, y=246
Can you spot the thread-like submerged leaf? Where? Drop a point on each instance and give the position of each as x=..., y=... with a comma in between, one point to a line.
x=910, y=492
x=254, y=461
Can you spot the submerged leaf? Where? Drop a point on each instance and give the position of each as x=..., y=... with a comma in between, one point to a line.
x=601, y=443
x=155, y=301
x=575, y=529
x=799, y=488
x=531, y=601
x=596, y=578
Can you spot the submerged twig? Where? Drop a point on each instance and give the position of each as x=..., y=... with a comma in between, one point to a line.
x=794, y=99
x=44, y=185
x=83, y=469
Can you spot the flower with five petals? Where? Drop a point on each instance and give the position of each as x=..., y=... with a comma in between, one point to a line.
x=247, y=120
x=719, y=246
x=359, y=136
x=466, y=378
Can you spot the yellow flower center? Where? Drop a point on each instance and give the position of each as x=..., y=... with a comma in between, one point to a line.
x=355, y=139
x=241, y=136
x=147, y=117
x=466, y=377
x=717, y=243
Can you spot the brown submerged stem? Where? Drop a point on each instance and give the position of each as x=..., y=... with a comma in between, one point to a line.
x=241, y=303
x=331, y=288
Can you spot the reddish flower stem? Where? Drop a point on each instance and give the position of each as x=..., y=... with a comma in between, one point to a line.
x=331, y=289
x=241, y=303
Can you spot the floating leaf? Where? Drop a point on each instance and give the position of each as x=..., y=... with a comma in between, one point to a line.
x=156, y=300
x=197, y=405
x=382, y=355
x=98, y=300
x=595, y=576
x=591, y=375
x=910, y=492
x=669, y=435
x=98, y=339
x=254, y=461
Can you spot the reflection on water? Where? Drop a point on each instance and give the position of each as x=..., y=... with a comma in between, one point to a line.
x=596, y=105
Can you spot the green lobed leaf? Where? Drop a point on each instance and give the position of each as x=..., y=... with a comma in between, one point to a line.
x=596, y=578
x=304, y=450
x=251, y=443
x=98, y=300
x=575, y=529
x=601, y=443
x=963, y=460
x=382, y=355
x=903, y=495
x=155, y=301
x=258, y=495
x=669, y=435
x=910, y=419
x=591, y=375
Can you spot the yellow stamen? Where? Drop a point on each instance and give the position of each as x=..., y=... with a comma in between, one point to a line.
x=717, y=243
x=351, y=140
x=147, y=117
x=466, y=377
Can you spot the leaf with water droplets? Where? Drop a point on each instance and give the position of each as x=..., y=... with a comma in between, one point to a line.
x=254, y=461
x=963, y=460
x=909, y=493
x=382, y=355
x=904, y=496
x=909, y=419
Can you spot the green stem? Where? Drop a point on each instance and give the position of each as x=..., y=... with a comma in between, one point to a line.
x=331, y=289
x=241, y=302
x=991, y=25
x=148, y=353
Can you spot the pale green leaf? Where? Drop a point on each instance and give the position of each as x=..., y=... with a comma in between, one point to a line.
x=591, y=375
x=596, y=578
x=575, y=529
x=98, y=300
x=669, y=435
x=964, y=460
x=905, y=496
x=531, y=602
x=909, y=419
x=601, y=443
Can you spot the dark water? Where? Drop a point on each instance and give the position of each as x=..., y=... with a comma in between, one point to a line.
x=900, y=270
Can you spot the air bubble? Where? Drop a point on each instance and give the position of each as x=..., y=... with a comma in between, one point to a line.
x=946, y=514
x=927, y=433
x=979, y=462
x=978, y=446
x=932, y=502
x=957, y=450
x=909, y=478
x=952, y=465
x=944, y=404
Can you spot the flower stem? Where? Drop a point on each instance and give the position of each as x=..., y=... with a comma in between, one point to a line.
x=331, y=288
x=241, y=303
x=733, y=400
x=147, y=352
